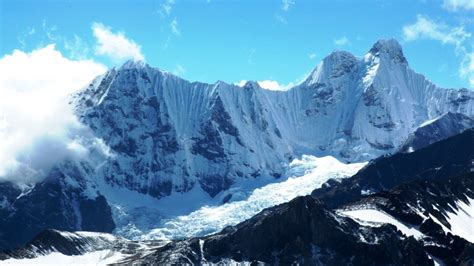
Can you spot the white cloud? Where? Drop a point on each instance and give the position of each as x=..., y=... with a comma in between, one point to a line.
x=273, y=85
x=425, y=28
x=286, y=4
x=312, y=56
x=455, y=5
x=241, y=83
x=37, y=126
x=269, y=85
x=115, y=45
x=341, y=41
x=175, y=27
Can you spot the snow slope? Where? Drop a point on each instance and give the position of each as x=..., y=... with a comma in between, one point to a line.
x=373, y=217
x=460, y=219
x=103, y=257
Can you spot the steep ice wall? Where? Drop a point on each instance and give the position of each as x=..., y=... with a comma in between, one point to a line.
x=168, y=134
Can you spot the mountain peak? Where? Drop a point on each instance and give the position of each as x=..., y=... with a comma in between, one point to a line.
x=389, y=47
x=132, y=63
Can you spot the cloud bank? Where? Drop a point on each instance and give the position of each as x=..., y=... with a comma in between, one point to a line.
x=37, y=126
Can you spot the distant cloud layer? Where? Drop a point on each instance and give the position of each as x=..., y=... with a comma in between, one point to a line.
x=37, y=126
x=115, y=45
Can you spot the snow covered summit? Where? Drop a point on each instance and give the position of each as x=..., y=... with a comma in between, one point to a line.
x=169, y=134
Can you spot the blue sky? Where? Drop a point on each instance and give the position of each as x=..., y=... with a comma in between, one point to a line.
x=245, y=40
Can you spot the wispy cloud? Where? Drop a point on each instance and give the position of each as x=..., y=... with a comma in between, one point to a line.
x=175, y=27
x=115, y=45
x=466, y=69
x=425, y=28
x=286, y=4
x=455, y=5
x=22, y=39
x=341, y=41
x=281, y=19
x=252, y=53
x=166, y=7
x=280, y=16
x=77, y=48
x=179, y=70
x=312, y=56
x=46, y=33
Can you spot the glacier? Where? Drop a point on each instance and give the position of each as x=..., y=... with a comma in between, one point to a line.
x=305, y=175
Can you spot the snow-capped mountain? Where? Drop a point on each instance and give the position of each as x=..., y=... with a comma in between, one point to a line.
x=419, y=214
x=170, y=135
x=442, y=127
x=421, y=220
x=167, y=139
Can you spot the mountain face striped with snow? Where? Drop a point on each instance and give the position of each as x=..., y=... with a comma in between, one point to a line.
x=168, y=134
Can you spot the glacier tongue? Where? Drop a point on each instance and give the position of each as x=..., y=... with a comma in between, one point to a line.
x=305, y=174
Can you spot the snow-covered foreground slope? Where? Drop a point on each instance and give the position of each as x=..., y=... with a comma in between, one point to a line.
x=53, y=247
x=373, y=217
x=103, y=257
x=305, y=175
x=461, y=220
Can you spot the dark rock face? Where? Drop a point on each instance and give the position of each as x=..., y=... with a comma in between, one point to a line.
x=66, y=243
x=390, y=47
x=444, y=127
x=53, y=203
x=77, y=243
x=305, y=231
x=126, y=119
x=412, y=202
x=165, y=129
x=449, y=157
x=302, y=231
